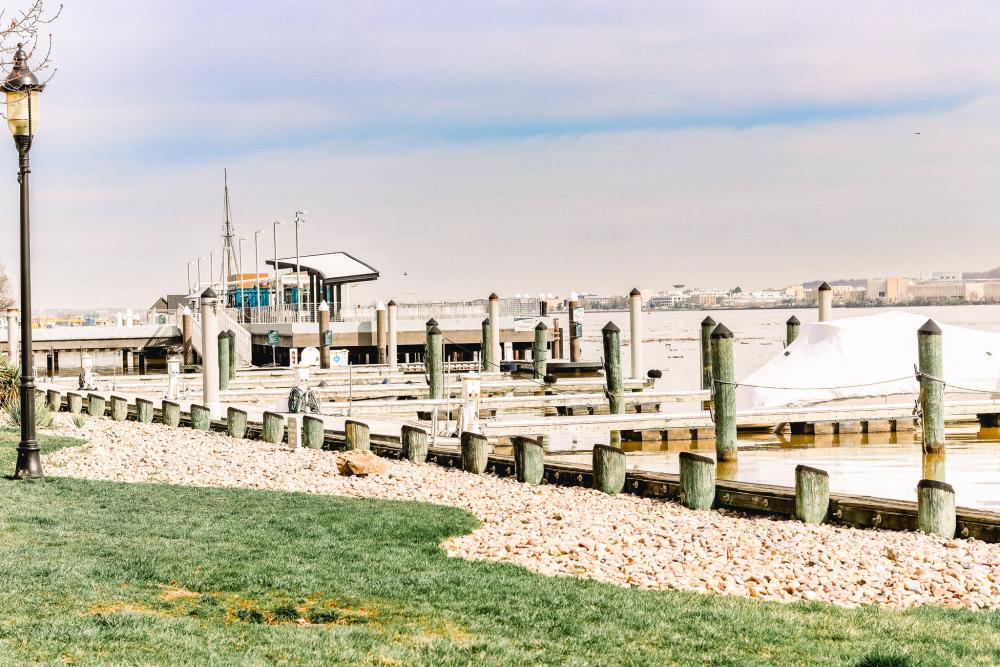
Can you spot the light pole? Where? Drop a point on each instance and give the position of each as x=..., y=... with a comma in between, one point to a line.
x=239, y=270
x=189, y=276
x=21, y=88
x=198, y=290
x=277, y=288
x=256, y=264
x=211, y=267
x=298, y=267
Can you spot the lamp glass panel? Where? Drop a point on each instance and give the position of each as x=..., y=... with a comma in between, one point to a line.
x=18, y=105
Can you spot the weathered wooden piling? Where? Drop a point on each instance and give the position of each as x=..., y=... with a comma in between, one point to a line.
x=474, y=452
x=95, y=405
x=825, y=295
x=210, y=377
x=707, y=327
x=393, y=332
x=74, y=402
x=635, y=331
x=313, y=432
x=201, y=417
x=539, y=351
x=170, y=413
x=273, y=428
x=936, y=508
x=494, y=317
x=434, y=365
x=324, y=326
x=143, y=410
x=53, y=399
x=557, y=339
x=231, y=336
x=414, y=443
x=931, y=386
x=697, y=481
x=724, y=393
x=223, y=352
x=529, y=460
x=575, y=329
x=187, y=332
x=489, y=363
x=792, y=329
x=119, y=408
x=381, y=335
x=357, y=435
x=812, y=494
x=608, y=465
x=236, y=423
x=613, y=367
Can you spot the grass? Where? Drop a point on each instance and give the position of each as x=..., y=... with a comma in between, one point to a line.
x=105, y=573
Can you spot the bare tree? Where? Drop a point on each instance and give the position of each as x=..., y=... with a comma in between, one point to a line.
x=6, y=299
x=26, y=26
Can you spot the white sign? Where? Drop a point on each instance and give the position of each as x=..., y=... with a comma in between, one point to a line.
x=578, y=314
x=525, y=323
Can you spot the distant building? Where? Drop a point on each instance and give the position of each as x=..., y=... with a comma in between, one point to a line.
x=946, y=275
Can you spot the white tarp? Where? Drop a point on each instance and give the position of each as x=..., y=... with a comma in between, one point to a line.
x=867, y=356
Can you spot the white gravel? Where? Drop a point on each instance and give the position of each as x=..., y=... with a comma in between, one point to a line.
x=623, y=540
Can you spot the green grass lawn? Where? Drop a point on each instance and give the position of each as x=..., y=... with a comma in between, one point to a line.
x=104, y=573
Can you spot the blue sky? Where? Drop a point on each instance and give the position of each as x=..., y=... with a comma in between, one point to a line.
x=517, y=146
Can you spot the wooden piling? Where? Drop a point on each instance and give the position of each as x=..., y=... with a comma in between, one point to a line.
x=231, y=337
x=210, y=376
x=393, y=332
x=435, y=368
x=223, y=347
x=494, y=317
x=119, y=408
x=201, y=417
x=931, y=386
x=357, y=435
x=812, y=494
x=74, y=402
x=613, y=367
x=142, y=362
x=697, y=481
x=557, y=339
x=143, y=410
x=324, y=326
x=936, y=508
x=474, y=452
x=170, y=413
x=608, y=465
x=574, y=330
x=414, y=443
x=792, y=328
x=313, y=432
x=489, y=363
x=635, y=331
x=529, y=460
x=273, y=429
x=187, y=332
x=707, y=327
x=539, y=351
x=95, y=405
x=53, y=399
x=381, y=335
x=825, y=295
x=236, y=423
x=724, y=393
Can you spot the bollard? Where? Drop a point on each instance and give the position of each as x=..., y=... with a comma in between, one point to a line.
x=539, y=351
x=724, y=394
x=812, y=494
x=792, y=328
x=273, y=428
x=210, y=376
x=201, y=417
x=357, y=435
x=236, y=423
x=95, y=405
x=707, y=327
x=496, y=353
x=231, y=335
x=324, y=326
x=608, y=466
x=393, y=350
x=635, y=331
x=119, y=408
x=74, y=402
x=414, y=442
x=529, y=460
x=143, y=410
x=170, y=413
x=313, y=432
x=53, y=399
x=474, y=454
x=931, y=386
x=936, y=508
x=435, y=371
x=697, y=481
x=487, y=354
x=825, y=294
x=223, y=346
x=381, y=336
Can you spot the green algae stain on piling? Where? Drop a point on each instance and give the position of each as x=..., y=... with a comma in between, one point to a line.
x=613, y=367
x=223, y=344
x=792, y=329
x=95, y=405
x=812, y=494
x=312, y=432
x=236, y=423
x=273, y=429
x=201, y=417
x=414, y=443
x=539, y=351
x=707, y=327
x=936, y=508
x=474, y=453
x=529, y=460
x=119, y=408
x=435, y=369
x=697, y=481
x=231, y=335
x=143, y=410
x=74, y=402
x=53, y=399
x=931, y=386
x=357, y=435
x=171, y=413
x=487, y=353
x=608, y=466
x=724, y=393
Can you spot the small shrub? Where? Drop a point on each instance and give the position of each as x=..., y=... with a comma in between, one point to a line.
x=10, y=384
x=43, y=416
x=79, y=420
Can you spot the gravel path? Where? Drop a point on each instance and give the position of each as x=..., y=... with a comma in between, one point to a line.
x=623, y=540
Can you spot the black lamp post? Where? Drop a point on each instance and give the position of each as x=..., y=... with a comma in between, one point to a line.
x=22, y=88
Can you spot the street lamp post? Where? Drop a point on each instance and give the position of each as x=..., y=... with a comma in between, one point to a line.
x=198, y=290
x=21, y=88
x=298, y=267
x=256, y=264
x=239, y=270
x=279, y=297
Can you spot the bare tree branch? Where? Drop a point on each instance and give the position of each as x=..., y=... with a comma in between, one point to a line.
x=26, y=27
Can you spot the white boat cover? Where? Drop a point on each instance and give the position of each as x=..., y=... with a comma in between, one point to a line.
x=869, y=356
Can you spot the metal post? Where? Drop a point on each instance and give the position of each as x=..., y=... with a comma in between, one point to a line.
x=256, y=265
x=298, y=266
x=277, y=291
x=198, y=288
x=29, y=462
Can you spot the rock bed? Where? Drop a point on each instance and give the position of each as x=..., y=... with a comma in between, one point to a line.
x=623, y=540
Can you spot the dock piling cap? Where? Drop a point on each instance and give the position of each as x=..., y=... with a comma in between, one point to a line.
x=392, y=303
x=434, y=331
x=324, y=306
x=540, y=326
x=793, y=320
x=486, y=321
x=432, y=322
x=493, y=296
x=611, y=327
x=209, y=294
x=825, y=287
x=708, y=322
x=930, y=328
x=722, y=331
x=635, y=292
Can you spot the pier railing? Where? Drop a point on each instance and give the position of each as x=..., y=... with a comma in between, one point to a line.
x=421, y=310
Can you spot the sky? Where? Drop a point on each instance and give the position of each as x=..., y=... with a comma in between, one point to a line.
x=469, y=147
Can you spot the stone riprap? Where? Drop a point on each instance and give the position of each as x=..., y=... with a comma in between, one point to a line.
x=623, y=540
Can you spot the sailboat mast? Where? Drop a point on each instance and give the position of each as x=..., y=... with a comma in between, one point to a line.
x=228, y=252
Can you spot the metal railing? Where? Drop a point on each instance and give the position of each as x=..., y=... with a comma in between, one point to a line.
x=420, y=310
